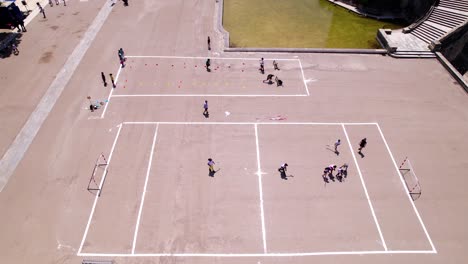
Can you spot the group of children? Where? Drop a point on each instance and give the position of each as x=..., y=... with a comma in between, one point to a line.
x=269, y=78
x=342, y=172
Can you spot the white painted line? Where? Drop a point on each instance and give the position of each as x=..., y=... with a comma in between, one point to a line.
x=260, y=189
x=209, y=95
x=404, y=187
x=118, y=74
x=303, y=78
x=244, y=123
x=227, y=255
x=204, y=58
x=137, y=225
x=365, y=189
x=100, y=188
x=111, y=91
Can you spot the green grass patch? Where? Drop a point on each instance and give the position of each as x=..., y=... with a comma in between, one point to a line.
x=298, y=24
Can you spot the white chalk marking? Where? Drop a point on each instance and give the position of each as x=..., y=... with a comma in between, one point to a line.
x=111, y=91
x=137, y=225
x=100, y=188
x=227, y=255
x=209, y=95
x=204, y=58
x=365, y=189
x=244, y=123
x=407, y=194
x=303, y=78
x=260, y=189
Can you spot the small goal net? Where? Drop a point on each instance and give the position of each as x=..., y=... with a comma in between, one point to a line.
x=99, y=173
x=411, y=180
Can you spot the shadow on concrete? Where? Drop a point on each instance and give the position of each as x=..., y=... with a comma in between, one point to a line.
x=6, y=41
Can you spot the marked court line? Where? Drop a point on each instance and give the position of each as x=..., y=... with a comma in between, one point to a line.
x=227, y=255
x=265, y=253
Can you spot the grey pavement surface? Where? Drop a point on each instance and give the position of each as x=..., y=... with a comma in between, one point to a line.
x=20, y=145
x=46, y=207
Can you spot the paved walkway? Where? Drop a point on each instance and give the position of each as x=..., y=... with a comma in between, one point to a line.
x=20, y=145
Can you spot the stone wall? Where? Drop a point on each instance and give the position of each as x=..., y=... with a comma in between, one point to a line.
x=454, y=47
x=410, y=10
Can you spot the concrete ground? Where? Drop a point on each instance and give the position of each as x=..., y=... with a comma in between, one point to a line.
x=159, y=205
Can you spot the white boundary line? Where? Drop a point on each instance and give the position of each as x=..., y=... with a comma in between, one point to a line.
x=137, y=225
x=204, y=58
x=100, y=188
x=260, y=189
x=244, y=123
x=214, y=95
x=227, y=255
x=111, y=91
x=365, y=189
x=210, y=95
x=330, y=253
x=407, y=194
x=303, y=78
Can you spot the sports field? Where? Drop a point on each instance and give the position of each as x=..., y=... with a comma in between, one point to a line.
x=129, y=182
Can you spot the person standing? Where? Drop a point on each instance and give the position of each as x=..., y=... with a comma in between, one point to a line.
x=41, y=10
x=50, y=3
x=362, y=144
x=211, y=170
x=112, y=79
x=57, y=2
x=64, y=3
x=103, y=76
x=282, y=170
x=208, y=63
x=205, y=109
x=262, y=66
x=337, y=143
x=209, y=43
x=125, y=2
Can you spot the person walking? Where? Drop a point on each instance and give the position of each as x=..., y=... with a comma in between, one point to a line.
x=282, y=170
x=205, y=109
x=121, y=54
x=57, y=2
x=211, y=170
x=125, y=2
x=275, y=65
x=103, y=77
x=209, y=43
x=362, y=144
x=41, y=10
x=337, y=143
x=64, y=3
x=112, y=79
x=122, y=58
x=50, y=3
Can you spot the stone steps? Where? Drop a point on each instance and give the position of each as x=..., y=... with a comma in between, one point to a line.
x=461, y=5
x=427, y=33
x=448, y=15
x=446, y=18
x=413, y=54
